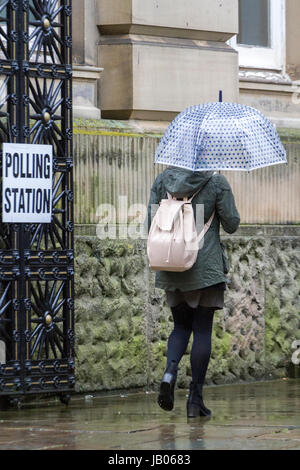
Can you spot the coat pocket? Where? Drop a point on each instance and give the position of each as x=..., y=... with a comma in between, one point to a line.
x=226, y=265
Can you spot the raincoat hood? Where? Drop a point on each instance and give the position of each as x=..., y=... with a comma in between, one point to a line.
x=180, y=182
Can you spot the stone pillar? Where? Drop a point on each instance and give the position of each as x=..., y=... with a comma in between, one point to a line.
x=86, y=73
x=161, y=56
x=293, y=39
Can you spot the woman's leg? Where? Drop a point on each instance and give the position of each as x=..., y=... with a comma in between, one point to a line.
x=179, y=338
x=177, y=345
x=200, y=355
x=201, y=348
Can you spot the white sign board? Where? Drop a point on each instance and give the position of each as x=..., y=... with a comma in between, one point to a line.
x=27, y=183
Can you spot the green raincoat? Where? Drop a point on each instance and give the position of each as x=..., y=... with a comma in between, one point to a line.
x=211, y=265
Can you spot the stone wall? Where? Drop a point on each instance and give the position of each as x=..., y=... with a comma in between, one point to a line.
x=114, y=160
x=123, y=322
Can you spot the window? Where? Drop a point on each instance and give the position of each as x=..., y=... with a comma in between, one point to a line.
x=261, y=38
x=254, y=23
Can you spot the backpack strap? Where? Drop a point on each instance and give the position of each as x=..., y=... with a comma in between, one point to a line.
x=171, y=197
x=206, y=227
x=208, y=223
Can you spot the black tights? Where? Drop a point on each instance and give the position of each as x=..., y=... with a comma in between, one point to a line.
x=187, y=320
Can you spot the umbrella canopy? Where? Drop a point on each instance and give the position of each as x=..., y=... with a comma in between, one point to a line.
x=220, y=136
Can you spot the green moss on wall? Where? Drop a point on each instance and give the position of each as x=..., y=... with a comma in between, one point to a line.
x=123, y=322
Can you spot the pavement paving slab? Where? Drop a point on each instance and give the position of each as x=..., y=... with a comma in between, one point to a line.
x=253, y=416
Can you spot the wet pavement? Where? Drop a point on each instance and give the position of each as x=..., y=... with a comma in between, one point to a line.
x=261, y=415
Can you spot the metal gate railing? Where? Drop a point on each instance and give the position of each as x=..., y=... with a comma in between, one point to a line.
x=36, y=260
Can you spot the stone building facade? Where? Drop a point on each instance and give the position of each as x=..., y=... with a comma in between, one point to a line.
x=137, y=63
x=148, y=60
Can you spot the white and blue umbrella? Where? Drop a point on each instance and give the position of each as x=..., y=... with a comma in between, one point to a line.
x=220, y=136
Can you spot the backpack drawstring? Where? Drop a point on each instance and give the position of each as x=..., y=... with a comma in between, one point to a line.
x=175, y=233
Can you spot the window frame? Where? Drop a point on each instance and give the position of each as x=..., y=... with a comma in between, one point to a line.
x=266, y=57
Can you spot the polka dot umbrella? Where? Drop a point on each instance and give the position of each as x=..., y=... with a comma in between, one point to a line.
x=220, y=136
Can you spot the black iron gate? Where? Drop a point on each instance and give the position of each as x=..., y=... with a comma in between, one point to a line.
x=36, y=260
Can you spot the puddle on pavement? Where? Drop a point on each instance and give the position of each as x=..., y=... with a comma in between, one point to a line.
x=252, y=416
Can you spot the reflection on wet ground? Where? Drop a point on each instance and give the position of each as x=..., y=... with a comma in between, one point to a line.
x=261, y=415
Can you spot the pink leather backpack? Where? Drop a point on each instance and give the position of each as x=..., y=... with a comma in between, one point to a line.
x=173, y=242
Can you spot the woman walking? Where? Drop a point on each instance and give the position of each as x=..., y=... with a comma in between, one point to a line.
x=195, y=294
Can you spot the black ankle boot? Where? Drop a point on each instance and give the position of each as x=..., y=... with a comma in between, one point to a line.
x=195, y=406
x=166, y=391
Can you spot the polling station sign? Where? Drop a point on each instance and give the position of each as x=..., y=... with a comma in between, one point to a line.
x=27, y=183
